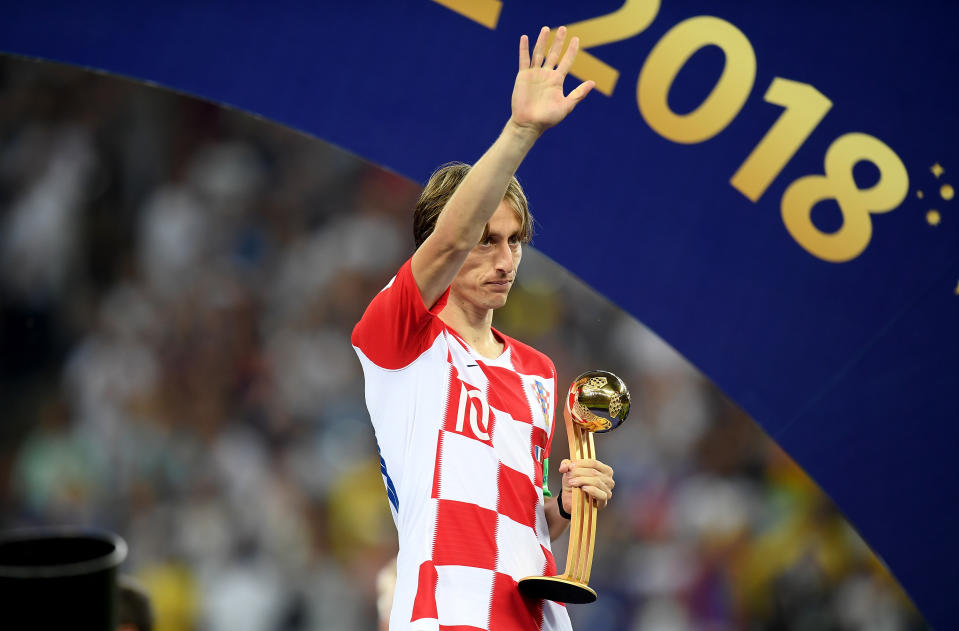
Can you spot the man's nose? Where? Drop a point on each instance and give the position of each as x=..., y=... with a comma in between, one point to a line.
x=504, y=257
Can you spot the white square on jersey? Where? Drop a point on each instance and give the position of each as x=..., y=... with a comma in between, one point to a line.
x=473, y=484
x=425, y=624
x=513, y=441
x=518, y=552
x=463, y=595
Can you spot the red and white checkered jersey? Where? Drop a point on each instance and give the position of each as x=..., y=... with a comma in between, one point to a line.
x=462, y=441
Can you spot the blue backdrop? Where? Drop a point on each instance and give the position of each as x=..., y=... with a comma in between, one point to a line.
x=694, y=190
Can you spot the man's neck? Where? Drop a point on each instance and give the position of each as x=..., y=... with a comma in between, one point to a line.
x=473, y=325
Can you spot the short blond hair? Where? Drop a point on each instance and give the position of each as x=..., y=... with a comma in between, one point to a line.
x=440, y=188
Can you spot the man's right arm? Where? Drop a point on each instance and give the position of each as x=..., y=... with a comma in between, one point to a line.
x=537, y=104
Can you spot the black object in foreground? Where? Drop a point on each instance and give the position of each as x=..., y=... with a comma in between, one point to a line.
x=59, y=578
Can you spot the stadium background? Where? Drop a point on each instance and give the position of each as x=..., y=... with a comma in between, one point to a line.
x=177, y=286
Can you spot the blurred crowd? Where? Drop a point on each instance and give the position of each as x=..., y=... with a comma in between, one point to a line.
x=178, y=282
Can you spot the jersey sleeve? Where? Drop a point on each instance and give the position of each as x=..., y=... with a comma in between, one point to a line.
x=397, y=326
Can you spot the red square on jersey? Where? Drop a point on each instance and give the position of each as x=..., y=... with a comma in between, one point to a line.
x=507, y=392
x=510, y=610
x=465, y=535
x=424, y=606
x=518, y=499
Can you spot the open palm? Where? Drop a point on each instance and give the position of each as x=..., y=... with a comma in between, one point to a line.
x=538, y=99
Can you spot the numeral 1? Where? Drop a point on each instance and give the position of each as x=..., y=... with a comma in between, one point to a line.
x=805, y=108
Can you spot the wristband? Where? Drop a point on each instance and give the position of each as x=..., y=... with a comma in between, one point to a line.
x=562, y=511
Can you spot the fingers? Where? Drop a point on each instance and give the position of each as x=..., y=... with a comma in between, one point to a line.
x=593, y=477
x=541, y=54
x=602, y=495
x=577, y=95
x=539, y=50
x=570, y=55
x=552, y=58
x=601, y=484
x=590, y=463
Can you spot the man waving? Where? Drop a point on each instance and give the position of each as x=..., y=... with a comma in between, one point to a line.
x=463, y=414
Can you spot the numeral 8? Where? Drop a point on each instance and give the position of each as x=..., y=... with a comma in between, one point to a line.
x=856, y=204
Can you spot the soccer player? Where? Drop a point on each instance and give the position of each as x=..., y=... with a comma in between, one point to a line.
x=463, y=414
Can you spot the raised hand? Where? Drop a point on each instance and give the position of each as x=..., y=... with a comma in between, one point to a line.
x=538, y=101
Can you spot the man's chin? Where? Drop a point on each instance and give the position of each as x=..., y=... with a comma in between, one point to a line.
x=497, y=302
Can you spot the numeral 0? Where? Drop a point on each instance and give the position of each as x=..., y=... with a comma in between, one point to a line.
x=668, y=57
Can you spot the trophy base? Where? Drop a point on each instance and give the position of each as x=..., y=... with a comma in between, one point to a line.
x=558, y=588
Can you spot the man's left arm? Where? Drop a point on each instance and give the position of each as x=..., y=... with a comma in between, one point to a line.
x=595, y=478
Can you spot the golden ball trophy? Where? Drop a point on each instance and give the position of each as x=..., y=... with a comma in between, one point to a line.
x=597, y=402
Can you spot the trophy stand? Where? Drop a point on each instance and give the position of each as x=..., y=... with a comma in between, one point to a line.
x=590, y=392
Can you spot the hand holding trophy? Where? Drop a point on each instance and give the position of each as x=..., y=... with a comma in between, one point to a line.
x=598, y=401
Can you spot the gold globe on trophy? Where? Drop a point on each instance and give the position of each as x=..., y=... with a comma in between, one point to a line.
x=597, y=402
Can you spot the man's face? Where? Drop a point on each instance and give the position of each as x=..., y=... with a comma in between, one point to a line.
x=485, y=279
